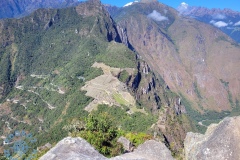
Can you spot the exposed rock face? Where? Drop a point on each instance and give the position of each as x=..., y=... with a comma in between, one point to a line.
x=79, y=149
x=179, y=108
x=104, y=22
x=220, y=142
x=73, y=148
x=127, y=145
x=150, y=150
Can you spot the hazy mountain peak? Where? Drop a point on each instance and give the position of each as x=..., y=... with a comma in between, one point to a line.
x=185, y=5
x=136, y=1
x=186, y=9
x=148, y=1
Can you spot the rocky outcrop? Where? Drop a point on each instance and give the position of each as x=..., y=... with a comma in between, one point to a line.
x=179, y=108
x=127, y=145
x=79, y=149
x=73, y=148
x=149, y=91
x=150, y=150
x=103, y=24
x=220, y=142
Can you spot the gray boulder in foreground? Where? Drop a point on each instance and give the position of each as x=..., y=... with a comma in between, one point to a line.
x=220, y=142
x=150, y=150
x=73, y=149
x=127, y=145
x=79, y=149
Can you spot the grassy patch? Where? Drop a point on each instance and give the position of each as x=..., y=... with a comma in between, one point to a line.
x=119, y=99
x=197, y=90
x=117, y=55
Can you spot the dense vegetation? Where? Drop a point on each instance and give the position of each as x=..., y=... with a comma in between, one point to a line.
x=46, y=57
x=102, y=134
x=104, y=126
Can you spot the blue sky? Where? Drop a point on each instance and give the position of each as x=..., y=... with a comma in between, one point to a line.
x=232, y=4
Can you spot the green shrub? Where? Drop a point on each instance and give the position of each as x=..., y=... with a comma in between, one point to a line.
x=138, y=138
x=102, y=134
x=123, y=76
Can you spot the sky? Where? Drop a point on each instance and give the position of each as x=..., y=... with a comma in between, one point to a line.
x=231, y=4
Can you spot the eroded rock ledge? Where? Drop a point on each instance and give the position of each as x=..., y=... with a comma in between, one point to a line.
x=220, y=142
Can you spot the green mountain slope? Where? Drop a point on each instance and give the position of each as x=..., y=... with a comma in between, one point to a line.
x=46, y=59
x=43, y=58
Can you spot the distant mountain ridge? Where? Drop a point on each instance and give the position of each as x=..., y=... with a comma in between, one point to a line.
x=226, y=20
x=19, y=8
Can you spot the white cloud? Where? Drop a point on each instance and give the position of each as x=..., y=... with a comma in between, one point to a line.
x=130, y=3
x=230, y=28
x=220, y=24
x=237, y=24
x=212, y=22
x=157, y=16
x=219, y=16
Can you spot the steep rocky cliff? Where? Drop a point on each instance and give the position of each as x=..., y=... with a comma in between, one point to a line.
x=151, y=92
x=221, y=141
